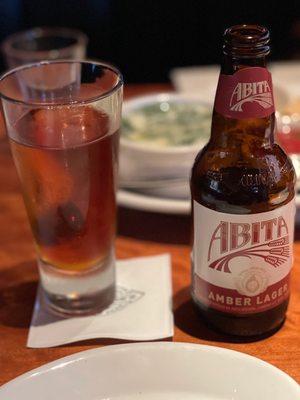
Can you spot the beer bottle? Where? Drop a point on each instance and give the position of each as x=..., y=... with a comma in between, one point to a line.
x=242, y=187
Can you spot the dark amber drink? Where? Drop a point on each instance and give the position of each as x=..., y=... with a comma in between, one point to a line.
x=69, y=191
x=242, y=187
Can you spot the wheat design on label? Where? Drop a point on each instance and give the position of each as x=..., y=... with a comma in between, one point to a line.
x=264, y=100
x=275, y=253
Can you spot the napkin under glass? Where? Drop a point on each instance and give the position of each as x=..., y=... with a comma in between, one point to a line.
x=142, y=309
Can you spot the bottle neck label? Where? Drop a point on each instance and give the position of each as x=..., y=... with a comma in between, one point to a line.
x=248, y=93
x=241, y=263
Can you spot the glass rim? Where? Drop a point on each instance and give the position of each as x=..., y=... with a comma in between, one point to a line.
x=48, y=104
x=7, y=48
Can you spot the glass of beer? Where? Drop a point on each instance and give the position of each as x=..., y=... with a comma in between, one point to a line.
x=63, y=119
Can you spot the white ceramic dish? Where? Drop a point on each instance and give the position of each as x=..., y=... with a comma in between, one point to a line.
x=140, y=161
x=154, y=371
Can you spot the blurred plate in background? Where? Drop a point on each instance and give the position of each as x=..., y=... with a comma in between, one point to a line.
x=156, y=179
x=142, y=202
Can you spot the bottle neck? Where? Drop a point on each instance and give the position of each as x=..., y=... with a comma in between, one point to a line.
x=231, y=64
x=244, y=109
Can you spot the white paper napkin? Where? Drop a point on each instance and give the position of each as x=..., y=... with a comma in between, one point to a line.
x=142, y=309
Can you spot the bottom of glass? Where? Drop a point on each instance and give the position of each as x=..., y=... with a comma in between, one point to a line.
x=79, y=305
x=78, y=293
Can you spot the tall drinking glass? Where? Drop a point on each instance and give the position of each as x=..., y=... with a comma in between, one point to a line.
x=44, y=44
x=62, y=120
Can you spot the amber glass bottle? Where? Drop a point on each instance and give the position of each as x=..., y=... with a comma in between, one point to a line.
x=242, y=187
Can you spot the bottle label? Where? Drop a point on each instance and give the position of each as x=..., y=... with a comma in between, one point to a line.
x=248, y=93
x=242, y=263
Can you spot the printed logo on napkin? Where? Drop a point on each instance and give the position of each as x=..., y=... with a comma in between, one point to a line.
x=248, y=93
x=123, y=298
x=242, y=263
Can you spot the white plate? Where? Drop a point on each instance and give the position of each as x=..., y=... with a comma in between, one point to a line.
x=154, y=371
x=143, y=202
x=286, y=74
x=159, y=205
x=200, y=80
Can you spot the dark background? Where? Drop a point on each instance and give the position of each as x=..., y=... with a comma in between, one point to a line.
x=146, y=39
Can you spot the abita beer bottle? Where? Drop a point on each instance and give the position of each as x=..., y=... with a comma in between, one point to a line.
x=242, y=187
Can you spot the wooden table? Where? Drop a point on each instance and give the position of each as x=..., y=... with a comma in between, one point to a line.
x=140, y=234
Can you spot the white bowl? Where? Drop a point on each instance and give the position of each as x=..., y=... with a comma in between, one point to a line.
x=154, y=371
x=139, y=161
